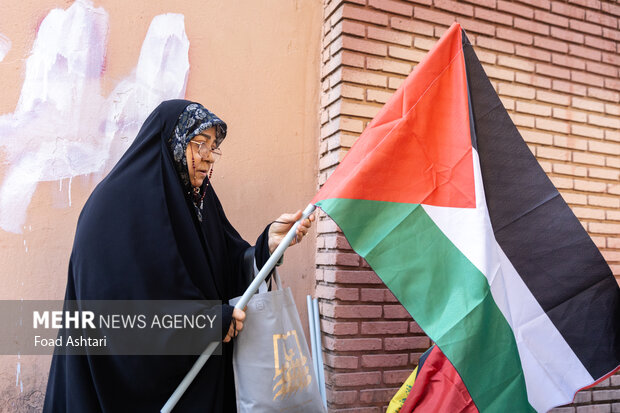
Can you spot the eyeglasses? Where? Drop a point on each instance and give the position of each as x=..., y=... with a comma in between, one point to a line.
x=203, y=151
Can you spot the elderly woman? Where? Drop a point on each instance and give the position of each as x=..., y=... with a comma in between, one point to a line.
x=154, y=229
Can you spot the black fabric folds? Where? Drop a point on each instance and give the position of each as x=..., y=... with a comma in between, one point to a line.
x=138, y=238
x=540, y=235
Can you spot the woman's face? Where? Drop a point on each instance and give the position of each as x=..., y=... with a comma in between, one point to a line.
x=199, y=168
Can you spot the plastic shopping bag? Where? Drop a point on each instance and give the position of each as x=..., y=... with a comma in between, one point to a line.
x=272, y=364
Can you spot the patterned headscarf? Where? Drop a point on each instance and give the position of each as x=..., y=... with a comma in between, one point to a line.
x=193, y=120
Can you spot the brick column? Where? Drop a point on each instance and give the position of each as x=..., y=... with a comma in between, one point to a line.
x=555, y=65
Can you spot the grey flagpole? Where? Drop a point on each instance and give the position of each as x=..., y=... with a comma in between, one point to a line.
x=260, y=277
x=312, y=339
x=319, y=350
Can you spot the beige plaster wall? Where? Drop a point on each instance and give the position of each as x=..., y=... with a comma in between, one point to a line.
x=255, y=64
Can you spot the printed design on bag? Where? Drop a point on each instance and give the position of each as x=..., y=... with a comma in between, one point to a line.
x=291, y=369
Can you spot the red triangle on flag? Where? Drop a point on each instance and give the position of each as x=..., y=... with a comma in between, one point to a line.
x=418, y=147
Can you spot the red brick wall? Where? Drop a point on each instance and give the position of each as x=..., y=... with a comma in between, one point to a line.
x=555, y=65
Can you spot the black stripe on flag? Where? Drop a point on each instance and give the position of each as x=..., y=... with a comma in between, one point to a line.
x=541, y=236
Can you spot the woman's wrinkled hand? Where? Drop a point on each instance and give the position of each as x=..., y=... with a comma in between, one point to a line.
x=280, y=227
x=236, y=324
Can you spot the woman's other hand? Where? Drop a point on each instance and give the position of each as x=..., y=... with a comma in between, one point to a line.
x=236, y=324
x=280, y=227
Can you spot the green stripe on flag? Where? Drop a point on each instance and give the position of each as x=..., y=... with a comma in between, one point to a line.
x=447, y=295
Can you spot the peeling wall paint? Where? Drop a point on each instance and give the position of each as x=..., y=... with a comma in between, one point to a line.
x=5, y=46
x=62, y=126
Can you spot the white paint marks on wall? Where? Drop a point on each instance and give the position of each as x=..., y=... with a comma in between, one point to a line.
x=162, y=70
x=5, y=46
x=62, y=126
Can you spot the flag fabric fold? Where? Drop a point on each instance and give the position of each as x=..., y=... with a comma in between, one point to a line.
x=434, y=386
x=438, y=388
x=444, y=200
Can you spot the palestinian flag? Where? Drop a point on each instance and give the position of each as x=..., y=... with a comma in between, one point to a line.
x=445, y=201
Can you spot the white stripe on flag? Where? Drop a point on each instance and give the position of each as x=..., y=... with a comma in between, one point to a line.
x=552, y=371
